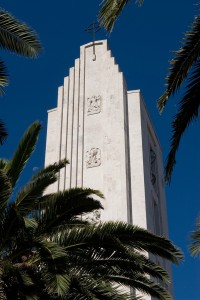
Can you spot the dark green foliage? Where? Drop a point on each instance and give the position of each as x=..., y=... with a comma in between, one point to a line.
x=195, y=245
x=3, y=132
x=25, y=148
x=110, y=11
x=50, y=251
x=185, y=67
x=17, y=37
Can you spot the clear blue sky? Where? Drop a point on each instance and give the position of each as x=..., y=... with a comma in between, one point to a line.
x=141, y=42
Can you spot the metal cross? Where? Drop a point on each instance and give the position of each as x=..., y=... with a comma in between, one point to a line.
x=93, y=29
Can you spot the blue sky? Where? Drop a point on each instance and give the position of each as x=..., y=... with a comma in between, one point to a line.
x=142, y=42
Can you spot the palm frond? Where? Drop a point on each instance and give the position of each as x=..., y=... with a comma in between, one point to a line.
x=23, y=152
x=53, y=265
x=83, y=287
x=17, y=36
x=120, y=236
x=30, y=223
x=144, y=285
x=54, y=168
x=122, y=258
x=50, y=259
x=57, y=284
x=3, y=163
x=103, y=268
x=110, y=11
x=183, y=61
x=53, y=252
x=78, y=289
x=62, y=206
x=11, y=224
x=3, y=132
x=5, y=190
x=28, y=198
x=139, y=239
x=195, y=236
x=49, y=250
x=187, y=112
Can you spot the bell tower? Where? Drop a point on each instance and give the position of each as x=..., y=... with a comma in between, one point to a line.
x=106, y=133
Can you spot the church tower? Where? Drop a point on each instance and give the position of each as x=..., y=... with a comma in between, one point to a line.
x=106, y=133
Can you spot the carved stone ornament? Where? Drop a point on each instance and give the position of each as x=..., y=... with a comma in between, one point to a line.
x=93, y=158
x=93, y=105
x=94, y=217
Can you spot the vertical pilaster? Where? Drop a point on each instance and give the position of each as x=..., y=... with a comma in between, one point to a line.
x=74, y=159
x=59, y=126
x=80, y=157
x=70, y=128
x=64, y=131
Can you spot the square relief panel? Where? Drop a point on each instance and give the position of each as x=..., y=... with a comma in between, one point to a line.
x=94, y=105
x=93, y=158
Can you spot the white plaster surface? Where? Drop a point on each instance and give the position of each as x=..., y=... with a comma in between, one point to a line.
x=121, y=130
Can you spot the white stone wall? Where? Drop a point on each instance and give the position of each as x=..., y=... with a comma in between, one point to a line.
x=106, y=134
x=142, y=139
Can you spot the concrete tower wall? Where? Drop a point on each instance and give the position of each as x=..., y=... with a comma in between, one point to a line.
x=91, y=121
x=107, y=135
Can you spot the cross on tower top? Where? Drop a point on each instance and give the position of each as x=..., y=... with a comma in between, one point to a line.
x=93, y=29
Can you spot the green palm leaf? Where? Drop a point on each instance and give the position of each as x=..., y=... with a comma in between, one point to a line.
x=59, y=208
x=3, y=132
x=54, y=168
x=30, y=223
x=17, y=36
x=55, y=275
x=187, y=112
x=110, y=11
x=11, y=224
x=78, y=287
x=136, y=264
x=109, y=268
x=195, y=246
x=3, y=163
x=133, y=236
x=86, y=288
x=144, y=285
x=185, y=67
x=23, y=153
x=51, y=252
x=29, y=196
x=119, y=236
x=5, y=190
x=183, y=61
x=57, y=284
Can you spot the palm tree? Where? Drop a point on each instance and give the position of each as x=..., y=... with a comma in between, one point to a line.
x=110, y=11
x=195, y=246
x=185, y=68
x=30, y=263
x=16, y=37
x=49, y=250
x=3, y=132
